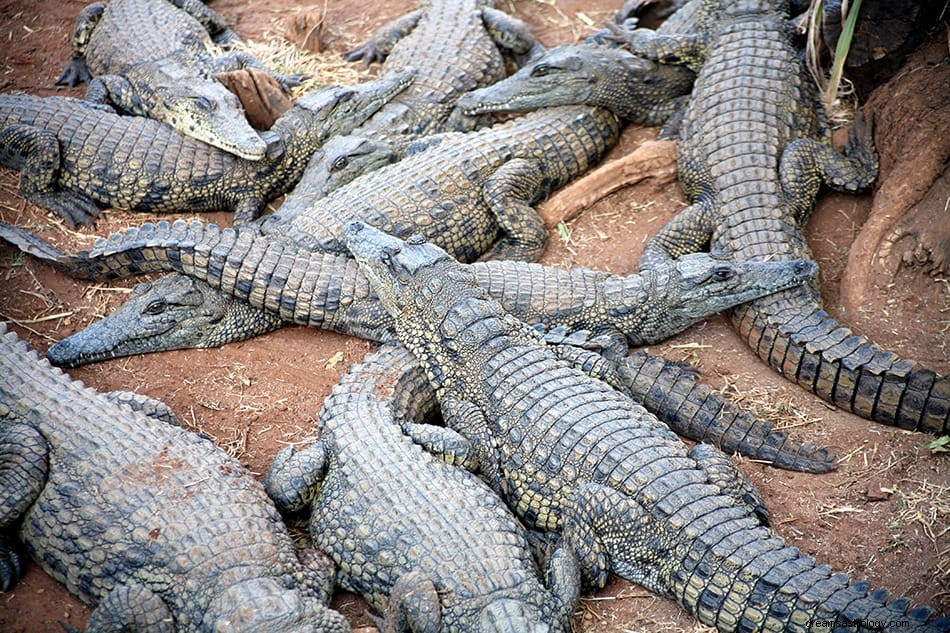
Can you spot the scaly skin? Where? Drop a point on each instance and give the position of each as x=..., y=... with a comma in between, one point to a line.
x=153, y=524
x=454, y=46
x=634, y=88
x=328, y=291
x=571, y=454
x=156, y=58
x=751, y=159
x=426, y=543
x=464, y=189
x=74, y=154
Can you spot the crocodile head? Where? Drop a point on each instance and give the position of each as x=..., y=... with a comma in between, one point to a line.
x=211, y=113
x=682, y=291
x=172, y=312
x=260, y=604
x=396, y=269
x=344, y=158
x=630, y=86
x=336, y=110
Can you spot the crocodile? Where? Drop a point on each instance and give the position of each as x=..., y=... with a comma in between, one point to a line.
x=634, y=88
x=152, y=524
x=454, y=46
x=752, y=204
x=570, y=454
x=425, y=542
x=284, y=281
x=74, y=154
x=463, y=189
x=157, y=58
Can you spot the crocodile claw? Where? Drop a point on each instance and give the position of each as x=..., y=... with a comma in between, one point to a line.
x=75, y=73
x=290, y=80
x=11, y=568
x=367, y=52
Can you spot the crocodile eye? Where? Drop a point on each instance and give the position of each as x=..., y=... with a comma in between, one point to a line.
x=416, y=239
x=204, y=103
x=340, y=163
x=723, y=274
x=156, y=307
x=541, y=70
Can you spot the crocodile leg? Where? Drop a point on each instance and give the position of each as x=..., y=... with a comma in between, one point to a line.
x=609, y=531
x=118, y=91
x=413, y=606
x=24, y=463
x=11, y=564
x=295, y=477
x=681, y=48
x=807, y=162
x=722, y=472
x=467, y=419
x=688, y=231
x=562, y=575
x=151, y=407
x=451, y=447
x=221, y=34
x=131, y=608
x=35, y=152
x=378, y=47
x=508, y=193
x=76, y=70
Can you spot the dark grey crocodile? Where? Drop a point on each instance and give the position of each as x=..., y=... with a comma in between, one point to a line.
x=74, y=154
x=156, y=58
x=152, y=524
x=751, y=158
x=426, y=543
x=634, y=88
x=752, y=155
x=571, y=454
x=328, y=291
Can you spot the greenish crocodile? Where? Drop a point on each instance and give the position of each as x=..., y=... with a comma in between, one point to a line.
x=751, y=156
x=426, y=543
x=281, y=280
x=571, y=454
x=74, y=154
x=463, y=189
x=152, y=524
x=156, y=58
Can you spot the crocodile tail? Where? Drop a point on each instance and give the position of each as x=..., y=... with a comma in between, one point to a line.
x=747, y=579
x=268, y=273
x=672, y=392
x=791, y=332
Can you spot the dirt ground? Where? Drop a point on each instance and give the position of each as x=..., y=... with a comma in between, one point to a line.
x=883, y=515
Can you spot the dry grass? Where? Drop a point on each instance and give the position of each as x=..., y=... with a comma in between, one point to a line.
x=283, y=56
x=776, y=405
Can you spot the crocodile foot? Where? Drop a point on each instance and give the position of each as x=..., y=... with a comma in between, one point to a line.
x=75, y=73
x=11, y=567
x=75, y=208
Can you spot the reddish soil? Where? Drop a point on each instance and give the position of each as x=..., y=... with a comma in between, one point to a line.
x=882, y=515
